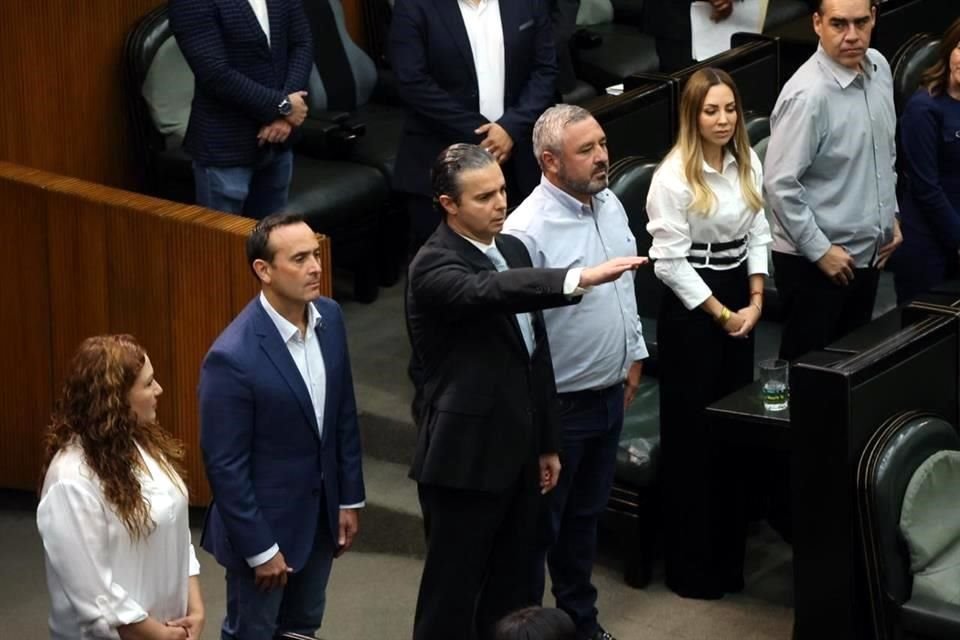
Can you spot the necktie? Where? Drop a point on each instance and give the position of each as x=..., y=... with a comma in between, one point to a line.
x=523, y=319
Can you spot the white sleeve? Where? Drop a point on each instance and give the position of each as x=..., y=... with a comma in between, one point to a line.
x=74, y=532
x=667, y=207
x=759, y=235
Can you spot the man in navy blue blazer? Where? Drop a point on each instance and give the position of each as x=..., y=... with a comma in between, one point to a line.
x=251, y=61
x=281, y=447
x=475, y=71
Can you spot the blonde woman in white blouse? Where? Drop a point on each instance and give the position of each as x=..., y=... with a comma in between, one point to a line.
x=113, y=506
x=710, y=240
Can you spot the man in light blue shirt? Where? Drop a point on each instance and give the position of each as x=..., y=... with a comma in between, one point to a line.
x=572, y=220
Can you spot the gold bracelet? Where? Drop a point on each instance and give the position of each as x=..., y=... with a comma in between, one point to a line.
x=756, y=293
x=724, y=317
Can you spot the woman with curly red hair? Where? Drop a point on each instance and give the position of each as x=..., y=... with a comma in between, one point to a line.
x=113, y=505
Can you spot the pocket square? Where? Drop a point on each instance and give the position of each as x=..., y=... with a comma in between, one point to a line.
x=526, y=25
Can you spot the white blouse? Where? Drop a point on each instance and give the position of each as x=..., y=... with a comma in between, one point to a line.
x=99, y=578
x=675, y=228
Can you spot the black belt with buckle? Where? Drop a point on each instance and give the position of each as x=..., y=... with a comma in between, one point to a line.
x=717, y=246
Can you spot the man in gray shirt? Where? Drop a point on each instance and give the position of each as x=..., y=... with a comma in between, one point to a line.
x=829, y=180
x=571, y=220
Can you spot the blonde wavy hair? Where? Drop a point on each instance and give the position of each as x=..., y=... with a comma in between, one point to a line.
x=93, y=411
x=690, y=143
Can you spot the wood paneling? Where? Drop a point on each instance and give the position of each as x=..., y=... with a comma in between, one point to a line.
x=61, y=85
x=87, y=260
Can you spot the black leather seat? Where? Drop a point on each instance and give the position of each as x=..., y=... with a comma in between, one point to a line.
x=611, y=51
x=344, y=200
x=634, y=496
x=630, y=179
x=886, y=467
x=757, y=126
x=782, y=11
x=913, y=58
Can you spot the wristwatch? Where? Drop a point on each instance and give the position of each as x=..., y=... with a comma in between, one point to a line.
x=285, y=108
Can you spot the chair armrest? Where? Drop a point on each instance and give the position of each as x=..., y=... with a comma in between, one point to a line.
x=329, y=134
x=928, y=618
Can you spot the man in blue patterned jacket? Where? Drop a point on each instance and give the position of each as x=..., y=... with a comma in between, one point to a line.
x=251, y=60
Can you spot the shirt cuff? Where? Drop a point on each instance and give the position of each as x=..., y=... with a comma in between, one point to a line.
x=356, y=505
x=194, y=564
x=571, y=283
x=255, y=561
x=816, y=247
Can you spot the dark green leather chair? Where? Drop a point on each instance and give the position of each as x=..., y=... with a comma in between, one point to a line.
x=633, y=501
x=885, y=472
x=914, y=57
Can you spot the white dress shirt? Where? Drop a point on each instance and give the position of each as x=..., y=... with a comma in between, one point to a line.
x=485, y=32
x=98, y=577
x=260, y=10
x=593, y=343
x=675, y=228
x=306, y=354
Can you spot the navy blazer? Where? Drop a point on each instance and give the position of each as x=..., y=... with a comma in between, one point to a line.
x=262, y=450
x=430, y=54
x=240, y=78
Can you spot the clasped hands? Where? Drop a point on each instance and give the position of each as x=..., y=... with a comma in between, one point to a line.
x=496, y=140
x=280, y=129
x=741, y=322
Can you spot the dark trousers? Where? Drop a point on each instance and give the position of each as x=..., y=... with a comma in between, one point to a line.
x=591, y=422
x=253, y=614
x=704, y=522
x=478, y=553
x=817, y=311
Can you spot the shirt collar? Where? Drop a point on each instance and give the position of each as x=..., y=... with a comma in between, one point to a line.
x=569, y=202
x=483, y=248
x=844, y=75
x=286, y=328
x=728, y=159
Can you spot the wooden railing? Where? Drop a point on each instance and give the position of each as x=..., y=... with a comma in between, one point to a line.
x=83, y=259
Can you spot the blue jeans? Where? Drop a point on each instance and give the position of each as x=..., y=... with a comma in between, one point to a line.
x=258, y=615
x=255, y=191
x=591, y=422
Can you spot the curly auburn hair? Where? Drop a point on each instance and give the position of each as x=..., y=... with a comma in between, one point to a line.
x=93, y=411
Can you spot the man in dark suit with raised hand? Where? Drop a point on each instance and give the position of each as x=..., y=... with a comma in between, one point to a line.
x=281, y=446
x=488, y=436
x=477, y=71
x=251, y=61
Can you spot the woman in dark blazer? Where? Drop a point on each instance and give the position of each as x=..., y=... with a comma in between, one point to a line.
x=929, y=176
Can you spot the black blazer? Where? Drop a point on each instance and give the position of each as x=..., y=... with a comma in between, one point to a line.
x=430, y=54
x=240, y=78
x=488, y=406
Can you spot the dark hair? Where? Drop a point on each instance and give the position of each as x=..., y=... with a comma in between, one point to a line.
x=258, y=242
x=448, y=166
x=817, y=5
x=536, y=623
x=936, y=79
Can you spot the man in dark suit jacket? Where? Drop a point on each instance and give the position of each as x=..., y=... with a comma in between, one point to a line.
x=251, y=60
x=487, y=429
x=485, y=80
x=281, y=446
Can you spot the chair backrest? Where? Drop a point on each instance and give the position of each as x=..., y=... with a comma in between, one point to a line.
x=887, y=464
x=757, y=125
x=630, y=180
x=913, y=58
x=343, y=76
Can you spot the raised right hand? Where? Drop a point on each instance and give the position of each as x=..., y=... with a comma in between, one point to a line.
x=609, y=270
x=837, y=264
x=299, y=113
x=272, y=573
